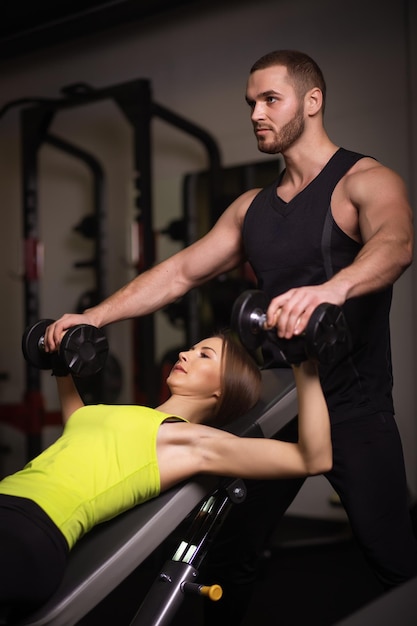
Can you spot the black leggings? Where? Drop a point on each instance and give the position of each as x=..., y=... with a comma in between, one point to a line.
x=33, y=555
x=369, y=476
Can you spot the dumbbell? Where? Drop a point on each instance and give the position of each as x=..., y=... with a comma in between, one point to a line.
x=82, y=352
x=325, y=338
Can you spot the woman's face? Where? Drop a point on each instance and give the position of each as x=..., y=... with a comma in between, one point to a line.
x=198, y=370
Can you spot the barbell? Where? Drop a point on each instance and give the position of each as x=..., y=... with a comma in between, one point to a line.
x=325, y=338
x=82, y=352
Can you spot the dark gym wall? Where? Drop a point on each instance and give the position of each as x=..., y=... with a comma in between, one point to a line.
x=197, y=60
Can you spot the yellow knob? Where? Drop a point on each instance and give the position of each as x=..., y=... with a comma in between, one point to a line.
x=214, y=592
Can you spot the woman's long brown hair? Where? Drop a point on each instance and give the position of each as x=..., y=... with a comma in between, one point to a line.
x=241, y=381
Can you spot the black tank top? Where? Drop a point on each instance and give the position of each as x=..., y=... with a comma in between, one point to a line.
x=296, y=243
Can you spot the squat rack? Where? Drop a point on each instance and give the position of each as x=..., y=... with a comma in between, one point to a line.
x=134, y=100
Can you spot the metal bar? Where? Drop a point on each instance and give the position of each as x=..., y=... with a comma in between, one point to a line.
x=100, y=241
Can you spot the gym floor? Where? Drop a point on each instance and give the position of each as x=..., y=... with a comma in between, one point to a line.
x=313, y=574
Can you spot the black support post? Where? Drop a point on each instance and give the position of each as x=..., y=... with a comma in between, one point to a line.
x=34, y=125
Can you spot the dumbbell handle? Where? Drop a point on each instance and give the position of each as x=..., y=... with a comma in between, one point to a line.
x=58, y=365
x=257, y=321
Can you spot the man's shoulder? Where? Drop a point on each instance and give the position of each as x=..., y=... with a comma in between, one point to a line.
x=370, y=168
x=241, y=205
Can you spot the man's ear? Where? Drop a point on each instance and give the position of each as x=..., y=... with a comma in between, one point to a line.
x=313, y=101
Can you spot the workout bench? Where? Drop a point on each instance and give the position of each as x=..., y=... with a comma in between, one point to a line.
x=113, y=550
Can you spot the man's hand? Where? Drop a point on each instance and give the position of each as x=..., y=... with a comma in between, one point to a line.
x=56, y=331
x=290, y=311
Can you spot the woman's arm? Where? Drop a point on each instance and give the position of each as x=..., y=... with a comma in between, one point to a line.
x=268, y=458
x=69, y=398
x=314, y=433
x=192, y=448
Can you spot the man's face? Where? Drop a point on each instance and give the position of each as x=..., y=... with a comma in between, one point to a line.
x=277, y=113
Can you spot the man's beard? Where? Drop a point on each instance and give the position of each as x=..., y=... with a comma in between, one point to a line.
x=286, y=137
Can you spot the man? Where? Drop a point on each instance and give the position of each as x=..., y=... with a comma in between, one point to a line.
x=336, y=227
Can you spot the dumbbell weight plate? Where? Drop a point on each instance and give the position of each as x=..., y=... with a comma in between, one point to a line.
x=327, y=336
x=248, y=317
x=84, y=349
x=32, y=345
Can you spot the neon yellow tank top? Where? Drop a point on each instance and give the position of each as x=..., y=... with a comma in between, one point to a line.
x=103, y=464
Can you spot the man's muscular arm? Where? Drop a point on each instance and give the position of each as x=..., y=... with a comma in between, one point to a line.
x=384, y=226
x=220, y=250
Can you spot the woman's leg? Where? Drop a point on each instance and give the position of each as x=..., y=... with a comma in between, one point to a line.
x=32, y=555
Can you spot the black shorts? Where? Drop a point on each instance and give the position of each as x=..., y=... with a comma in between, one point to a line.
x=33, y=555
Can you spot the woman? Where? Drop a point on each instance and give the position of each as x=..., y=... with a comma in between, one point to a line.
x=111, y=458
